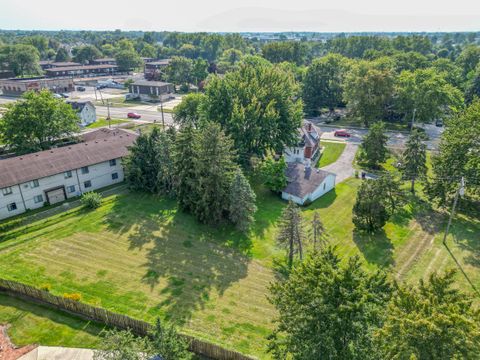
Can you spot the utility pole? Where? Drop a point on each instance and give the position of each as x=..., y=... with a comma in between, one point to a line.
x=161, y=109
x=461, y=192
x=108, y=115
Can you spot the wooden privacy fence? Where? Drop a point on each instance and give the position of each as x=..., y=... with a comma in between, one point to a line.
x=112, y=319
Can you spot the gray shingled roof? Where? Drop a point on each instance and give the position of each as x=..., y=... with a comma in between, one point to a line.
x=21, y=169
x=303, y=181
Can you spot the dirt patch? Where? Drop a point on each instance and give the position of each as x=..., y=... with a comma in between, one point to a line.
x=8, y=351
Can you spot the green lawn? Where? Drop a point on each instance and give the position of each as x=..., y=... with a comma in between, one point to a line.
x=32, y=323
x=103, y=122
x=330, y=153
x=138, y=255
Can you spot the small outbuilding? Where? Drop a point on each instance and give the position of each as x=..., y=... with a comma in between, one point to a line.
x=307, y=184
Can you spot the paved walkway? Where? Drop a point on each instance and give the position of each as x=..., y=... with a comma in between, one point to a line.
x=58, y=353
x=343, y=167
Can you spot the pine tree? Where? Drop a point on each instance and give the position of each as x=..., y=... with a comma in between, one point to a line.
x=166, y=175
x=166, y=342
x=290, y=234
x=391, y=188
x=242, y=202
x=374, y=145
x=369, y=212
x=318, y=232
x=415, y=158
x=185, y=171
x=214, y=165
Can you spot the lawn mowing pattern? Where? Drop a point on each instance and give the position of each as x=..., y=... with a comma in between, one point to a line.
x=32, y=323
x=330, y=153
x=138, y=255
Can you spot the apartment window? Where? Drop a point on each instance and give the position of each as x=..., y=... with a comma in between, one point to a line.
x=12, y=207
x=114, y=176
x=7, y=190
x=68, y=175
x=87, y=184
x=38, y=199
x=85, y=170
x=71, y=189
x=34, y=184
x=113, y=162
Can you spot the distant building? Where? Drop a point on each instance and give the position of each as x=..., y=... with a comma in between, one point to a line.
x=52, y=176
x=152, y=90
x=307, y=147
x=48, y=64
x=17, y=86
x=5, y=74
x=105, y=61
x=86, y=111
x=82, y=71
x=306, y=184
x=153, y=69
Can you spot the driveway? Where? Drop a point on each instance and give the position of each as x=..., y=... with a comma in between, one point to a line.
x=343, y=167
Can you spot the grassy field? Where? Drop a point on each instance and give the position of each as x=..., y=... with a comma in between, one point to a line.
x=330, y=153
x=139, y=255
x=104, y=122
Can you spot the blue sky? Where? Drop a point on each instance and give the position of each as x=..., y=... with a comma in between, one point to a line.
x=244, y=15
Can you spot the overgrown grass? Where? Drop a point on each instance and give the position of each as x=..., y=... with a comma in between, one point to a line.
x=138, y=254
x=330, y=153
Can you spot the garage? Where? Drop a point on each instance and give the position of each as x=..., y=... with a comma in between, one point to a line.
x=56, y=195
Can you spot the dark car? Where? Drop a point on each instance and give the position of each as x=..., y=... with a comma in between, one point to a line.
x=439, y=123
x=132, y=115
x=80, y=88
x=65, y=96
x=342, y=133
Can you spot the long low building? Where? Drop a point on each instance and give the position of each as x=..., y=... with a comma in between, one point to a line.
x=152, y=90
x=17, y=86
x=52, y=176
x=81, y=71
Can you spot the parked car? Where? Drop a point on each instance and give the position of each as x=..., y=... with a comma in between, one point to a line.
x=57, y=96
x=100, y=87
x=439, y=123
x=342, y=133
x=132, y=115
x=65, y=96
x=80, y=88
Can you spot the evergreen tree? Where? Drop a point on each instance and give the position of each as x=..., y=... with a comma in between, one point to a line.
x=290, y=232
x=434, y=321
x=374, y=145
x=390, y=187
x=166, y=342
x=415, y=158
x=241, y=202
x=185, y=171
x=369, y=212
x=328, y=311
x=164, y=159
x=122, y=345
x=214, y=165
x=318, y=232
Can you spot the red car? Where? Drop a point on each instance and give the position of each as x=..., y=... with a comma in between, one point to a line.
x=132, y=115
x=342, y=133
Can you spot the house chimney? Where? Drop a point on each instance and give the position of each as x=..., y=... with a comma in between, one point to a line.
x=307, y=164
x=309, y=126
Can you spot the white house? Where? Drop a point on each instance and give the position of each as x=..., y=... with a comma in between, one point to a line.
x=308, y=147
x=86, y=111
x=52, y=176
x=307, y=184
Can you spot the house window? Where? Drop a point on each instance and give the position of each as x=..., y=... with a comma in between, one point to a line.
x=34, y=184
x=12, y=207
x=71, y=189
x=85, y=170
x=68, y=175
x=114, y=176
x=324, y=186
x=87, y=184
x=7, y=191
x=113, y=162
x=38, y=199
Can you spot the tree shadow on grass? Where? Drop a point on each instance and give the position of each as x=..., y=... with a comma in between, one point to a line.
x=376, y=248
x=466, y=234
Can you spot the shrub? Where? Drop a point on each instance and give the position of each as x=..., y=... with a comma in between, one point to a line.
x=73, y=296
x=91, y=200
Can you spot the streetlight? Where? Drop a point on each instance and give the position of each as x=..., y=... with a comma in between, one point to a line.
x=461, y=192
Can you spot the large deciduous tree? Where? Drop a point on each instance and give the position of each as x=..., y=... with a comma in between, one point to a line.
x=414, y=164
x=179, y=70
x=128, y=60
x=327, y=310
x=459, y=155
x=36, y=122
x=21, y=59
x=434, y=321
x=188, y=111
x=256, y=106
x=86, y=54
x=426, y=92
x=369, y=88
x=323, y=83
x=273, y=174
